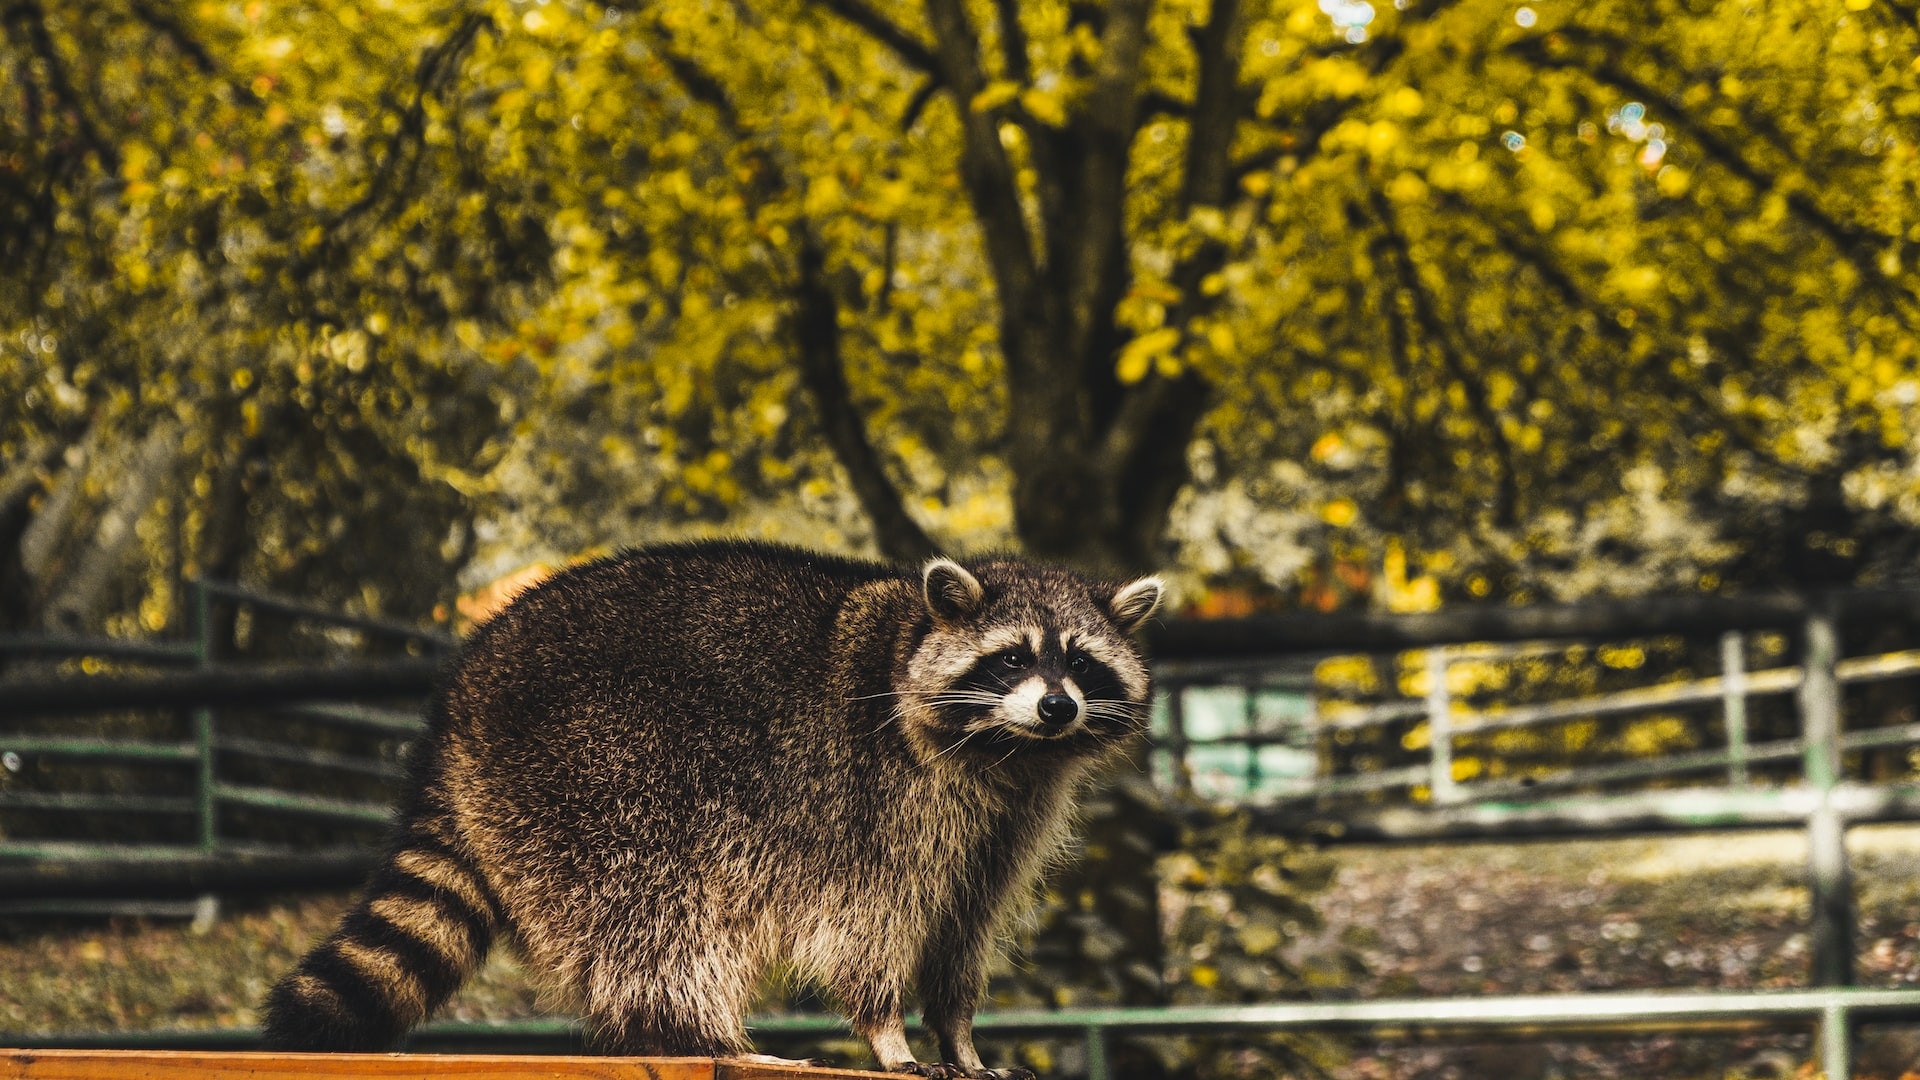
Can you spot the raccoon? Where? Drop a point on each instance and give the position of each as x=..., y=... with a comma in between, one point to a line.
x=664, y=772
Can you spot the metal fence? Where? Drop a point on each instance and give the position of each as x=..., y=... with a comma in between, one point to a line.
x=131, y=784
x=1271, y=747
x=1276, y=753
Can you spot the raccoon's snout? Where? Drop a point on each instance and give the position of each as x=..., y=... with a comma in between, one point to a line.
x=1058, y=710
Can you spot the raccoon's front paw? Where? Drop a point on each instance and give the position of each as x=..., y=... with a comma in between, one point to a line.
x=931, y=1072
x=945, y=1071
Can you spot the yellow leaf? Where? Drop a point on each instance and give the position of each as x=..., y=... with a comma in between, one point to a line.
x=1405, y=102
x=1339, y=513
x=824, y=196
x=1220, y=338
x=1407, y=188
x=538, y=68
x=1044, y=106
x=1382, y=136
x=1638, y=282
x=1143, y=352
x=135, y=159
x=996, y=94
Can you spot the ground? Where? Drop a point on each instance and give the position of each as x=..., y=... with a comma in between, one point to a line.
x=1725, y=911
x=1721, y=911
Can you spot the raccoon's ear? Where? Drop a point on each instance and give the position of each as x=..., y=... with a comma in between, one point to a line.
x=953, y=594
x=1134, y=601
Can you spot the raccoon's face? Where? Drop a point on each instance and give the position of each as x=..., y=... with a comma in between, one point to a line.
x=1024, y=659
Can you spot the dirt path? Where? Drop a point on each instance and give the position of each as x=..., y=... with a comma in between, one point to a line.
x=1726, y=911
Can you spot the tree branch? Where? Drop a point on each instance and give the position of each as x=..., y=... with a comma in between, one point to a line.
x=1147, y=442
x=1013, y=40
x=436, y=68
x=702, y=87
x=991, y=187
x=917, y=104
x=1509, y=235
x=1855, y=243
x=1451, y=352
x=816, y=328
x=1108, y=124
x=1217, y=107
x=904, y=44
x=33, y=18
x=170, y=28
x=1157, y=105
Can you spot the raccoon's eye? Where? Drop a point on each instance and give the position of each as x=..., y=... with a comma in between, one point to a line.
x=1078, y=663
x=1013, y=659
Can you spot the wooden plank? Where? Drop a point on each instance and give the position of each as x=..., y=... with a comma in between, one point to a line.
x=207, y=1065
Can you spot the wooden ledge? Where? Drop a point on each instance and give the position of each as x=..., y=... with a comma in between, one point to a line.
x=186, y=1064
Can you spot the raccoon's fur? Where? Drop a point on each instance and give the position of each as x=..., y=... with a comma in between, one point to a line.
x=663, y=772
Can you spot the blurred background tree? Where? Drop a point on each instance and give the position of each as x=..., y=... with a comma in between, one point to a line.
x=375, y=301
x=378, y=301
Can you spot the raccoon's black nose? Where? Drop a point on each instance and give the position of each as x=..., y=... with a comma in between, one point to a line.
x=1058, y=710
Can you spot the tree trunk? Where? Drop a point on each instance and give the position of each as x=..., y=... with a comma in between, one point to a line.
x=84, y=591
x=16, y=515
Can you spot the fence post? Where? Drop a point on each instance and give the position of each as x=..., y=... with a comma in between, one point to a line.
x=1829, y=881
x=1440, y=727
x=1835, y=1037
x=1177, y=737
x=1096, y=1037
x=200, y=619
x=1733, y=703
x=1247, y=715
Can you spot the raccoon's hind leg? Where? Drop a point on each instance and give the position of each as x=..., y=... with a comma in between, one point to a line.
x=684, y=997
x=425, y=922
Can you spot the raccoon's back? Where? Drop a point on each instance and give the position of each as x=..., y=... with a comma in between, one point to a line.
x=657, y=698
x=714, y=624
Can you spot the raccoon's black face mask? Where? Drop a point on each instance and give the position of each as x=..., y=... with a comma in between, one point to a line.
x=1027, y=660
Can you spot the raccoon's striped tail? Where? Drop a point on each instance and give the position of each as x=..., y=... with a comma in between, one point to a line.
x=424, y=924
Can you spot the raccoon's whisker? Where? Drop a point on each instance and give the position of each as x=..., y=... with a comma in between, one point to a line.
x=955, y=746
x=1118, y=707
x=987, y=700
x=895, y=715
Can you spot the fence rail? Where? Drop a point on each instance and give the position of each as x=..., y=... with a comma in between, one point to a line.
x=343, y=697
x=1830, y=1014
x=1794, y=782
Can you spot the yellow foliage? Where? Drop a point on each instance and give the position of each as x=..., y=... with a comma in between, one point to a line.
x=1140, y=354
x=578, y=217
